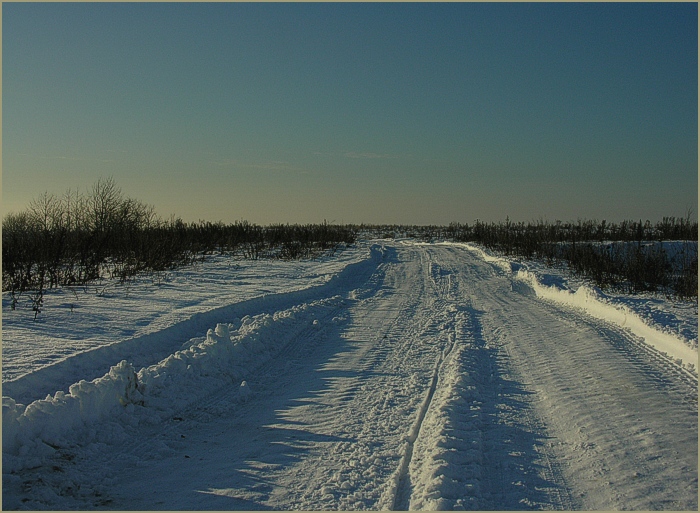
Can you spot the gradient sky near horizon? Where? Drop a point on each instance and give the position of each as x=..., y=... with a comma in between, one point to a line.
x=415, y=113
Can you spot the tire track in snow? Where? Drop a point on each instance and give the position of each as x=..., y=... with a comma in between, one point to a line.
x=343, y=380
x=442, y=314
x=483, y=441
x=557, y=488
x=600, y=397
x=403, y=479
x=377, y=385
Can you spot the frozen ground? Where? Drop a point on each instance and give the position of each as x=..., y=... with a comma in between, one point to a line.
x=396, y=375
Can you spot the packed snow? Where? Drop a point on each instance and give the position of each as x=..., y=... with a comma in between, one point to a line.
x=673, y=334
x=392, y=375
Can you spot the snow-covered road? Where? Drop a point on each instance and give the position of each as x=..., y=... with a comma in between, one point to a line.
x=421, y=378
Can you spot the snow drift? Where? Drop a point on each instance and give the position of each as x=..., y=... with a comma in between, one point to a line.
x=228, y=354
x=597, y=304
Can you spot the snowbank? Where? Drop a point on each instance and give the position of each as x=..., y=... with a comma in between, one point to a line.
x=224, y=358
x=32, y=431
x=151, y=347
x=594, y=302
x=221, y=361
x=499, y=262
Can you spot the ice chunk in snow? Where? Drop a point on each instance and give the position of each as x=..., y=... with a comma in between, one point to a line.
x=244, y=391
x=222, y=331
x=11, y=411
x=51, y=418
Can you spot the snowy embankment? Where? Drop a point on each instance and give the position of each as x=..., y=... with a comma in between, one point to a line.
x=82, y=331
x=152, y=394
x=124, y=396
x=674, y=336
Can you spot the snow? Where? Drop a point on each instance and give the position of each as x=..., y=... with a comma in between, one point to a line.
x=144, y=321
x=393, y=375
x=670, y=334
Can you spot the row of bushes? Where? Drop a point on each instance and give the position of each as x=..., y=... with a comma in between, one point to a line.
x=636, y=267
x=628, y=256
x=78, y=238
x=527, y=237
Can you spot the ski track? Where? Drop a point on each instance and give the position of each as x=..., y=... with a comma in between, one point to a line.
x=424, y=378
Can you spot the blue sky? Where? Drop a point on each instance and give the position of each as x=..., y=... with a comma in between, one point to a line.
x=362, y=112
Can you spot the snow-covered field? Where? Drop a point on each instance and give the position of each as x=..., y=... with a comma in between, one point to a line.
x=394, y=375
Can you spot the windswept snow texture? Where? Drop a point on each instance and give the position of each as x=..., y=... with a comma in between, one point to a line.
x=395, y=375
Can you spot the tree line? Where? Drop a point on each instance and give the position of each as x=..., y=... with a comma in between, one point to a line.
x=78, y=238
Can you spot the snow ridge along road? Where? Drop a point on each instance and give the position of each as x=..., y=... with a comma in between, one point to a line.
x=421, y=378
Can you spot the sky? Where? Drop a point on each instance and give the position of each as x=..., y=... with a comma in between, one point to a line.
x=408, y=113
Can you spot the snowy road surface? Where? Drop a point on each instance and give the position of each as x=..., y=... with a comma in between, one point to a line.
x=421, y=378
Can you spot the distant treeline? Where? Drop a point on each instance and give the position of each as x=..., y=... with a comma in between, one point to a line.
x=78, y=238
x=525, y=235
x=629, y=256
